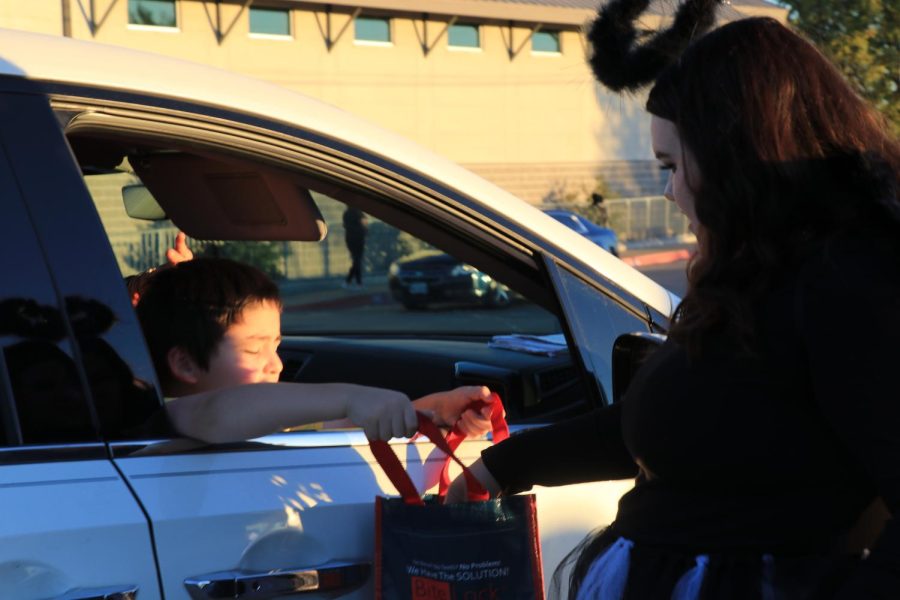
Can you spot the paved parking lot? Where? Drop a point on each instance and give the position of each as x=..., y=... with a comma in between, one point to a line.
x=325, y=306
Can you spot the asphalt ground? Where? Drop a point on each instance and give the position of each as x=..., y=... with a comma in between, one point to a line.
x=665, y=265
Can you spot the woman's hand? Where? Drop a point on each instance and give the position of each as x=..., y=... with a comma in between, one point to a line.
x=382, y=414
x=449, y=409
x=458, y=491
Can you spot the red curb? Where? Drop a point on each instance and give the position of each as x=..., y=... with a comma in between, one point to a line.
x=657, y=258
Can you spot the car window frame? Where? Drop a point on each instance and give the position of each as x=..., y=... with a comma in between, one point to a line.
x=379, y=187
x=599, y=385
x=441, y=201
x=20, y=450
x=389, y=183
x=75, y=248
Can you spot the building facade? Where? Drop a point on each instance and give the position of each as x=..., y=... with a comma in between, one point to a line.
x=500, y=86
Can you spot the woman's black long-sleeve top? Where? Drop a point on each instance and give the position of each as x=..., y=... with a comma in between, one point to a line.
x=776, y=452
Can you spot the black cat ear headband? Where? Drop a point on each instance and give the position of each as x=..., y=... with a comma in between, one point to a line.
x=620, y=63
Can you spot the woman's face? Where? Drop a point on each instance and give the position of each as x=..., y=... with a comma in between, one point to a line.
x=674, y=157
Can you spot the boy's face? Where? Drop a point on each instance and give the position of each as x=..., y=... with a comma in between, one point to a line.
x=248, y=352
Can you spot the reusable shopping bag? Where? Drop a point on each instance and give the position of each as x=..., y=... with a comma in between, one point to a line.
x=479, y=550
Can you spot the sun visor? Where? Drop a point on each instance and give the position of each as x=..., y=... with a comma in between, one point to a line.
x=216, y=199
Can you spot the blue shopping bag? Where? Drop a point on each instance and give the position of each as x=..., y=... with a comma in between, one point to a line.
x=478, y=550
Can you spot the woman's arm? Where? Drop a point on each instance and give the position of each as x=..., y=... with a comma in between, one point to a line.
x=585, y=448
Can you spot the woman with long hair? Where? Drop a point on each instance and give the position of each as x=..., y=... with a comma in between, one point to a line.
x=769, y=420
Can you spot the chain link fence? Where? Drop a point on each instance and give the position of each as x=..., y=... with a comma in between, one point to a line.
x=635, y=220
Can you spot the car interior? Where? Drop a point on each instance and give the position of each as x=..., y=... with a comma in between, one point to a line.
x=286, y=220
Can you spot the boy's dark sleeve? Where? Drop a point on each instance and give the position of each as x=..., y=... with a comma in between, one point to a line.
x=850, y=315
x=585, y=448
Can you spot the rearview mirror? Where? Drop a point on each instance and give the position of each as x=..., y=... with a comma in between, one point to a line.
x=140, y=203
x=630, y=351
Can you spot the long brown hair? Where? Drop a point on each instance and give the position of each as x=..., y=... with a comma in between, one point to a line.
x=787, y=152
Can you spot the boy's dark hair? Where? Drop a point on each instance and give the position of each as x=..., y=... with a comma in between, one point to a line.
x=191, y=305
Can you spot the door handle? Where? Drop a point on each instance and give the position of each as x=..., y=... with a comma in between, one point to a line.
x=248, y=585
x=116, y=592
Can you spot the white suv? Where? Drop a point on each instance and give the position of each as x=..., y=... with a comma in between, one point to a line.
x=99, y=499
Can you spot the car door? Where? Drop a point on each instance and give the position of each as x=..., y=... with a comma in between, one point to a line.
x=70, y=526
x=292, y=509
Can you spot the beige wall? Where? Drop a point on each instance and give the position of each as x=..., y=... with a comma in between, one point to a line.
x=476, y=107
x=472, y=106
x=42, y=16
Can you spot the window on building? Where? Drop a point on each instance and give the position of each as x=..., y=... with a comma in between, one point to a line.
x=270, y=21
x=373, y=29
x=155, y=13
x=464, y=35
x=546, y=41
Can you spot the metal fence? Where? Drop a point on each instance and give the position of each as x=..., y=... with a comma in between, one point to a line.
x=634, y=219
x=647, y=218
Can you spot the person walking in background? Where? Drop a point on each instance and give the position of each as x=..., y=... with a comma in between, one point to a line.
x=599, y=214
x=767, y=422
x=356, y=226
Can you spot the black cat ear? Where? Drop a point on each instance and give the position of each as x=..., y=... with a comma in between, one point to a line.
x=621, y=63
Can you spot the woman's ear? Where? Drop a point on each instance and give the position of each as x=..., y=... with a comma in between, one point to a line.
x=182, y=365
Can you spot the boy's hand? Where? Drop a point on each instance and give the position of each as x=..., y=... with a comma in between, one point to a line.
x=383, y=414
x=449, y=409
x=181, y=252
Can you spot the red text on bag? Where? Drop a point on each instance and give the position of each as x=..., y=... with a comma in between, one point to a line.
x=429, y=589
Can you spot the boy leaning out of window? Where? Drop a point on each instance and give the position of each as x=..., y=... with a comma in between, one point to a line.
x=213, y=327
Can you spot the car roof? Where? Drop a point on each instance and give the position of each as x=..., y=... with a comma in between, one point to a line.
x=57, y=59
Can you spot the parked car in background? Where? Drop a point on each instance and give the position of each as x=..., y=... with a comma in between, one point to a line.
x=602, y=236
x=100, y=498
x=429, y=277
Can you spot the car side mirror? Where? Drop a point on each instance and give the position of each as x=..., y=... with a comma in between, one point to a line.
x=630, y=351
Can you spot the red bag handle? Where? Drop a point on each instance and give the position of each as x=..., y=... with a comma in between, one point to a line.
x=400, y=478
x=499, y=432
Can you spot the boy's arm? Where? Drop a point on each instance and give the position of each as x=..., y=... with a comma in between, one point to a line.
x=448, y=409
x=253, y=410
